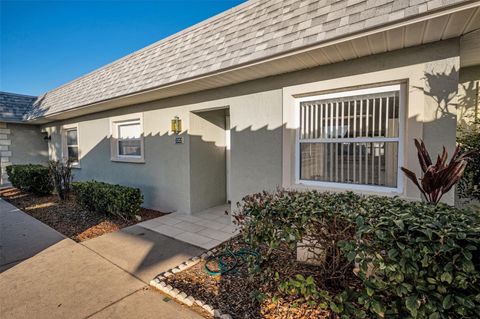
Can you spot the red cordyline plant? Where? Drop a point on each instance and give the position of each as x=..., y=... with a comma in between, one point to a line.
x=440, y=177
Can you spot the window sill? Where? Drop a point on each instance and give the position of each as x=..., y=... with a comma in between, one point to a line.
x=128, y=160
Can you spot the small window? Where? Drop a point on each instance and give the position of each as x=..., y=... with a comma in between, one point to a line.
x=127, y=139
x=351, y=138
x=72, y=145
x=71, y=149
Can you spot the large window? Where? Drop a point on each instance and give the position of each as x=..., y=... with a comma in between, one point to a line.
x=70, y=144
x=127, y=139
x=351, y=137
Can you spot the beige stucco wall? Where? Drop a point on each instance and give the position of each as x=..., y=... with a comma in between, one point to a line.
x=469, y=95
x=262, y=135
x=165, y=176
x=28, y=144
x=21, y=144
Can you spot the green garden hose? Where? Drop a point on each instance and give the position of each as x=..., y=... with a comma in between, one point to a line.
x=229, y=261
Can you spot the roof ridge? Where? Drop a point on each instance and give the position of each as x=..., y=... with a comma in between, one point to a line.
x=170, y=37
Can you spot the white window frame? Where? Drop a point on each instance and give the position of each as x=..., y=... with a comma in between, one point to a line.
x=64, y=130
x=401, y=87
x=117, y=121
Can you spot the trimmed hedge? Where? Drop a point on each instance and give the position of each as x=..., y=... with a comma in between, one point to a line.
x=30, y=178
x=117, y=200
x=414, y=259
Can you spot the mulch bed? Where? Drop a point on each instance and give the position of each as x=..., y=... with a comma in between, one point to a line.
x=67, y=217
x=238, y=294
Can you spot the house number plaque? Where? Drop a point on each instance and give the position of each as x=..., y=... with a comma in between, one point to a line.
x=178, y=139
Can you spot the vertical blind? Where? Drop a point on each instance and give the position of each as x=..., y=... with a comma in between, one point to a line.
x=352, y=139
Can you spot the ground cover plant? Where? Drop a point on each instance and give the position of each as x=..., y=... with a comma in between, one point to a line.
x=372, y=257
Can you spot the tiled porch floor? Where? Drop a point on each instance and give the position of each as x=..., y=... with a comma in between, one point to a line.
x=205, y=229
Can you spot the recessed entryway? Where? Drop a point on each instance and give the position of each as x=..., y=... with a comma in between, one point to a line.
x=209, y=157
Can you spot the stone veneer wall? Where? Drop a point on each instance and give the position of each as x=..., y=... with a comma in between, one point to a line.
x=5, y=152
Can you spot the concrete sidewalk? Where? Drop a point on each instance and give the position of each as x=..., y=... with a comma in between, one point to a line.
x=142, y=252
x=102, y=278
x=22, y=236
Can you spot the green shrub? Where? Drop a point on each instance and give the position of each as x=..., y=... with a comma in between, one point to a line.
x=414, y=260
x=424, y=260
x=30, y=178
x=307, y=219
x=120, y=201
x=469, y=140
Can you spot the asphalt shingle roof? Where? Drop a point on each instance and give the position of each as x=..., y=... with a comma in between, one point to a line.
x=14, y=106
x=254, y=30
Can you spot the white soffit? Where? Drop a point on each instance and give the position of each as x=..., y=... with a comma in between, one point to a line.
x=470, y=49
x=422, y=30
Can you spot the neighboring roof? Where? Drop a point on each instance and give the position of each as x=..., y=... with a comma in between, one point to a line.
x=252, y=31
x=14, y=106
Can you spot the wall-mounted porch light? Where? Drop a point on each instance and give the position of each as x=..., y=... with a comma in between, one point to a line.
x=176, y=125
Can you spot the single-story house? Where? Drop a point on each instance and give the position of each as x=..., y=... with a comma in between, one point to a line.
x=311, y=94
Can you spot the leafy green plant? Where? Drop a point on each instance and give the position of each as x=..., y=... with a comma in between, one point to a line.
x=309, y=220
x=417, y=260
x=469, y=140
x=117, y=200
x=61, y=174
x=413, y=259
x=299, y=286
x=440, y=177
x=30, y=178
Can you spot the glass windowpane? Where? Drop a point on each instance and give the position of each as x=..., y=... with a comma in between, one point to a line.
x=72, y=153
x=130, y=130
x=372, y=163
x=374, y=115
x=129, y=148
x=72, y=137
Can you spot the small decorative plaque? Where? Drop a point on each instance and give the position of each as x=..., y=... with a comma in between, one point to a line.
x=178, y=139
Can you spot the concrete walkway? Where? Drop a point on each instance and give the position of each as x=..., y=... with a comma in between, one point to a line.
x=205, y=229
x=105, y=277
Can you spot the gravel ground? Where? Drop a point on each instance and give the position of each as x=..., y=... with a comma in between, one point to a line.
x=69, y=218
